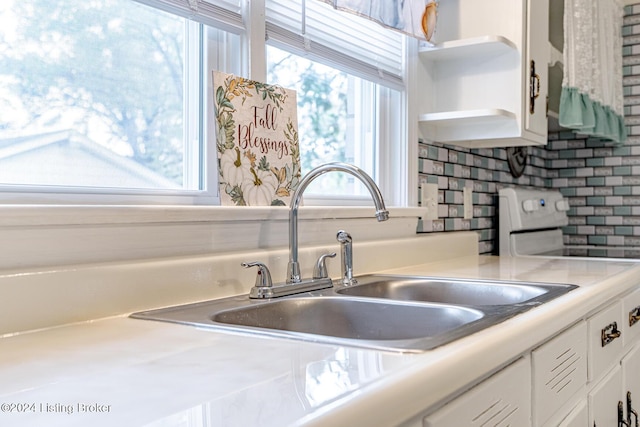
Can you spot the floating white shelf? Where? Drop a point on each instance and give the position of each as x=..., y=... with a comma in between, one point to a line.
x=468, y=117
x=458, y=125
x=477, y=47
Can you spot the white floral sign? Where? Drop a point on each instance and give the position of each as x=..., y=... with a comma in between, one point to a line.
x=257, y=141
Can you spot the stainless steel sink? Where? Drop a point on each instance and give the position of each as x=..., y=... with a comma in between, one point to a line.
x=352, y=318
x=392, y=313
x=368, y=323
x=453, y=291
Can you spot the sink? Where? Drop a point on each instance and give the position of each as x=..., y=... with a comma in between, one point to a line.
x=331, y=319
x=382, y=312
x=351, y=318
x=452, y=291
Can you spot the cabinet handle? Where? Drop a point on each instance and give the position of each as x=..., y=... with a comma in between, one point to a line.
x=621, y=420
x=631, y=411
x=534, y=87
x=634, y=316
x=610, y=333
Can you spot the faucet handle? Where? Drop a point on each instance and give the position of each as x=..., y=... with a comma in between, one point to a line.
x=263, y=278
x=320, y=269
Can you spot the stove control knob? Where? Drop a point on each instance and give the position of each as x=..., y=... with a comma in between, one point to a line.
x=562, y=205
x=530, y=205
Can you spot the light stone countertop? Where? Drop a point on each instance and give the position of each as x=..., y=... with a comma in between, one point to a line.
x=124, y=372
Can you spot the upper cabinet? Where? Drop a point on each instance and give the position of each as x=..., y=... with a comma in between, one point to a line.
x=483, y=82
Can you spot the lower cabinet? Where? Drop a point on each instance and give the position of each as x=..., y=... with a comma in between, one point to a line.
x=559, y=372
x=502, y=400
x=578, y=417
x=604, y=399
x=586, y=376
x=631, y=385
x=615, y=400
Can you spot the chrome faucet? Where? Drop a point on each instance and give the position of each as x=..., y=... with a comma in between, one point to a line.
x=294, y=283
x=293, y=269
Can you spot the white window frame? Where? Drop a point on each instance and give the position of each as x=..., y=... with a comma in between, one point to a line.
x=393, y=150
x=396, y=157
x=198, y=156
x=79, y=228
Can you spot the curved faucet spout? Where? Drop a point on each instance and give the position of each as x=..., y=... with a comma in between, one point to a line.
x=293, y=270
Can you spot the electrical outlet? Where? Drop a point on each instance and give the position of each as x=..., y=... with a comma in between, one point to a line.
x=429, y=196
x=467, y=194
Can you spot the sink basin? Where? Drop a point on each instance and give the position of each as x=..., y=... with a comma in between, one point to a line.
x=353, y=319
x=381, y=325
x=383, y=312
x=453, y=291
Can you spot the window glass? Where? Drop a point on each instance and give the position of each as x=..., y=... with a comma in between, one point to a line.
x=114, y=97
x=336, y=118
x=93, y=94
x=349, y=76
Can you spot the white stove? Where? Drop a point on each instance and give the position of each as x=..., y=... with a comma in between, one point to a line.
x=531, y=221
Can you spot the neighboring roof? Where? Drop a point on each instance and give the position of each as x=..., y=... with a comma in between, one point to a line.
x=70, y=158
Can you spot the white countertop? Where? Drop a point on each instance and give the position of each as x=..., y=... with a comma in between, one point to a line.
x=143, y=373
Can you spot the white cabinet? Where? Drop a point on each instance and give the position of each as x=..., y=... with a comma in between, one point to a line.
x=614, y=351
x=502, y=400
x=559, y=372
x=587, y=375
x=538, y=68
x=604, y=400
x=578, y=417
x=631, y=384
x=484, y=81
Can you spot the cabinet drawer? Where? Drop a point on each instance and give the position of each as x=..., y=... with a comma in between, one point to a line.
x=605, y=340
x=631, y=318
x=559, y=371
x=502, y=400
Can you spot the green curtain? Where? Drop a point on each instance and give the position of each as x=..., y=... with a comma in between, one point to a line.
x=592, y=101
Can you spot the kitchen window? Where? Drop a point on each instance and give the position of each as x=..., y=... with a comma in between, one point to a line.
x=109, y=101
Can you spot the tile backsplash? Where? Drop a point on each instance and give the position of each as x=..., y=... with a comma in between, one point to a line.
x=484, y=170
x=601, y=181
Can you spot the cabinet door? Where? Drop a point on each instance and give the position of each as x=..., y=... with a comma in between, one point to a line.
x=631, y=378
x=537, y=67
x=500, y=401
x=578, y=417
x=604, y=398
x=559, y=371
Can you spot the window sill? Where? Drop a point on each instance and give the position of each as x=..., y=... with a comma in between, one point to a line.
x=44, y=215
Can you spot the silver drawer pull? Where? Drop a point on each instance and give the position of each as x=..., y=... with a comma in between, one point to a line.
x=610, y=333
x=634, y=316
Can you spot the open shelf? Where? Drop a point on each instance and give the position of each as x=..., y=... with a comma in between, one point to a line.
x=468, y=117
x=477, y=47
x=458, y=125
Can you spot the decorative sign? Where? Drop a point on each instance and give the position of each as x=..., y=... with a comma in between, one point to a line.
x=257, y=141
